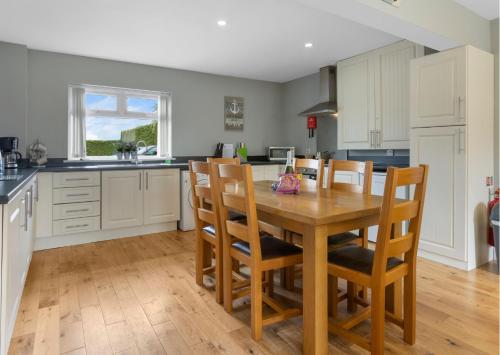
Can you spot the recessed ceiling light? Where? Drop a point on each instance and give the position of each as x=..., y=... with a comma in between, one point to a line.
x=221, y=23
x=308, y=45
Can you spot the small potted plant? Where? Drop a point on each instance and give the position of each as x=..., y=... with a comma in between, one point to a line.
x=132, y=148
x=120, y=150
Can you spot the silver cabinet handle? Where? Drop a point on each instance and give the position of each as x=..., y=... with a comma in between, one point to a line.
x=26, y=212
x=140, y=181
x=460, y=100
x=77, y=195
x=147, y=180
x=77, y=226
x=371, y=139
x=80, y=210
x=77, y=179
x=461, y=142
x=30, y=201
x=379, y=138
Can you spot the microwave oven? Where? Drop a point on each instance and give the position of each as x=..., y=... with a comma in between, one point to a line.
x=279, y=153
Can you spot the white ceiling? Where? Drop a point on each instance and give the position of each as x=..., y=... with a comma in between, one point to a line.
x=263, y=39
x=485, y=8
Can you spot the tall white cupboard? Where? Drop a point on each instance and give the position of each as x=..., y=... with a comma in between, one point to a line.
x=451, y=106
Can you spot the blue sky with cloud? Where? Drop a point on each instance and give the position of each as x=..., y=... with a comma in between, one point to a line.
x=109, y=128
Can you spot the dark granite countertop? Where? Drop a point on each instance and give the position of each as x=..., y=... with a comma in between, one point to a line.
x=9, y=188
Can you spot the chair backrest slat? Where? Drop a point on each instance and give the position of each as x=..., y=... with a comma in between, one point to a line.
x=405, y=211
x=399, y=246
x=203, y=191
x=359, y=167
x=238, y=230
x=206, y=216
x=234, y=202
x=234, y=161
x=316, y=164
x=392, y=214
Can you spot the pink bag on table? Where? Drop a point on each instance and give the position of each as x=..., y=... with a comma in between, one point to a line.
x=288, y=184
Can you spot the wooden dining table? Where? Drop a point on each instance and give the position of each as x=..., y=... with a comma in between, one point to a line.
x=317, y=213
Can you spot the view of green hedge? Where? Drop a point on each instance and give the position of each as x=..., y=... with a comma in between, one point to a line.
x=147, y=133
x=101, y=148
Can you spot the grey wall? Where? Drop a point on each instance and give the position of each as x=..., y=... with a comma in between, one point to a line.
x=299, y=95
x=13, y=87
x=494, y=49
x=197, y=100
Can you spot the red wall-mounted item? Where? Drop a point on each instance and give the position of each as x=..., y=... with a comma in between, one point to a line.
x=312, y=124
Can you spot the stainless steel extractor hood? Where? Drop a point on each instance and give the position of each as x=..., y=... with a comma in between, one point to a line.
x=328, y=94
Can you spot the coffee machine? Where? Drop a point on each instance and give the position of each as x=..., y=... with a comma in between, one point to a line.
x=11, y=157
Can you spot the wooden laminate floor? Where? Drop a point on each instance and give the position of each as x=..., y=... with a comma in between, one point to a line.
x=138, y=296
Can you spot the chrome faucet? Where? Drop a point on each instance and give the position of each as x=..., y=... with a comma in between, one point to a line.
x=137, y=145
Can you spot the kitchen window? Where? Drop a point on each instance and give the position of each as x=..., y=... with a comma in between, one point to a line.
x=102, y=121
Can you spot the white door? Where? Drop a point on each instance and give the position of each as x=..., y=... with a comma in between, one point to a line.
x=355, y=103
x=122, y=199
x=161, y=196
x=392, y=104
x=444, y=219
x=437, y=89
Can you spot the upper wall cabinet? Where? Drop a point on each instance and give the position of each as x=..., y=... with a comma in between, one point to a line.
x=355, y=84
x=439, y=89
x=373, y=98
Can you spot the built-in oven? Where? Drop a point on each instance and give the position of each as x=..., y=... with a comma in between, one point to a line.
x=279, y=153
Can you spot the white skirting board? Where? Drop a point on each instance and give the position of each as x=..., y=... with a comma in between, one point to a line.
x=459, y=264
x=89, y=237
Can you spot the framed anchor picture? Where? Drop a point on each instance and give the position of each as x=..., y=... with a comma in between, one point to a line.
x=233, y=113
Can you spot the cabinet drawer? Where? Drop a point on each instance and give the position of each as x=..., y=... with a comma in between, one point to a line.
x=75, y=210
x=76, y=225
x=76, y=179
x=76, y=194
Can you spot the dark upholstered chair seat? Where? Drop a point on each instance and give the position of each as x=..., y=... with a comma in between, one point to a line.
x=342, y=238
x=358, y=258
x=270, y=247
x=235, y=216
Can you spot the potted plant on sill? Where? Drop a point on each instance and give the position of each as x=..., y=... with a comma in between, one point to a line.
x=131, y=149
x=120, y=150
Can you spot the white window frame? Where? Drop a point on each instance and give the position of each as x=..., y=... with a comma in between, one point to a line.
x=76, y=118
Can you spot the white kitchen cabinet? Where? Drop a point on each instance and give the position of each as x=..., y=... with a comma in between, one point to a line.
x=43, y=206
x=443, y=149
x=259, y=172
x=452, y=93
x=373, y=98
x=392, y=94
x=438, y=89
x=356, y=102
x=17, y=241
x=122, y=199
x=161, y=196
x=140, y=197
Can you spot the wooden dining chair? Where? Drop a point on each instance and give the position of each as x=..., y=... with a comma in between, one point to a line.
x=316, y=164
x=207, y=223
x=245, y=242
x=207, y=228
x=365, y=168
x=393, y=259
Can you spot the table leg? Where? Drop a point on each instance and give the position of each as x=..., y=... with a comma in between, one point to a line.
x=315, y=296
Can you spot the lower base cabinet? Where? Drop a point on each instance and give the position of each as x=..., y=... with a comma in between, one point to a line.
x=17, y=242
x=136, y=197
